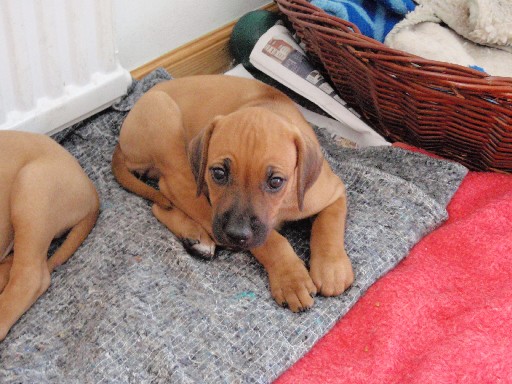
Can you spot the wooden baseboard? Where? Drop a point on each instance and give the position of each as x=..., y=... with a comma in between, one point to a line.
x=206, y=55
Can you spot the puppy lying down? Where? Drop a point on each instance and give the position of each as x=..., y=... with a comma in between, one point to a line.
x=43, y=193
x=235, y=159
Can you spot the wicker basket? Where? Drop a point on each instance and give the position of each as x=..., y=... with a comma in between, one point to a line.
x=455, y=112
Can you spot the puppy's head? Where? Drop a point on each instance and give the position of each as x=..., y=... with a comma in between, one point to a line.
x=251, y=164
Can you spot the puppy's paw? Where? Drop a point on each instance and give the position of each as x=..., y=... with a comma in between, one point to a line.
x=198, y=243
x=292, y=287
x=195, y=239
x=332, y=275
x=200, y=248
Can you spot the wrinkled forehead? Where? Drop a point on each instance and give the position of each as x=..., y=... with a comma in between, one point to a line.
x=253, y=140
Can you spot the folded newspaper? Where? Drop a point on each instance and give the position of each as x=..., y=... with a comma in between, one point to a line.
x=279, y=56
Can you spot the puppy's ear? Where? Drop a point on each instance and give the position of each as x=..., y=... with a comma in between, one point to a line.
x=198, y=154
x=309, y=165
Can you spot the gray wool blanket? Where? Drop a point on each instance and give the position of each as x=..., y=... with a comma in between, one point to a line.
x=131, y=306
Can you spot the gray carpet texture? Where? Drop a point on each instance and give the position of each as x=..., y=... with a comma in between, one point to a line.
x=131, y=306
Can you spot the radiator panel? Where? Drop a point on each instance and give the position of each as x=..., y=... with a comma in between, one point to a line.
x=58, y=63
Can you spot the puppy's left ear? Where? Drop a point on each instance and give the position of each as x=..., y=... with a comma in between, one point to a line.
x=309, y=165
x=198, y=154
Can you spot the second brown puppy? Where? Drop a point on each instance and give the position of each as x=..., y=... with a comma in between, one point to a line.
x=235, y=159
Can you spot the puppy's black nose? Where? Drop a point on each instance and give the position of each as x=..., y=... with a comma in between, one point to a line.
x=238, y=235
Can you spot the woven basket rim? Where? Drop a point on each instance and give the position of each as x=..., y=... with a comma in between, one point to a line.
x=348, y=33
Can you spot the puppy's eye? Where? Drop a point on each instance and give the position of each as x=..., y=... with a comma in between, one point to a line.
x=275, y=183
x=219, y=175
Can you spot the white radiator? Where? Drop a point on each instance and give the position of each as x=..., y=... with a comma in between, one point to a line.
x=58, y=63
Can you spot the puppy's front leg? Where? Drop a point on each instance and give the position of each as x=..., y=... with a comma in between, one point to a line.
x=290, y=283
x=330, y=267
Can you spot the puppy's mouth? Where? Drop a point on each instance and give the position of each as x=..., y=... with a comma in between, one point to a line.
x=234, y=248
x=236, y=245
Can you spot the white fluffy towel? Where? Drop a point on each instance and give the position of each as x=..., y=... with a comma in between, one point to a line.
x=422, y=33
x=486, y=22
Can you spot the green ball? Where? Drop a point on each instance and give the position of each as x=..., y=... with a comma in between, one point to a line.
x=246, y=33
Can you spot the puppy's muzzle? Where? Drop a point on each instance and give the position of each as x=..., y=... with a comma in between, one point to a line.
x=240, y=231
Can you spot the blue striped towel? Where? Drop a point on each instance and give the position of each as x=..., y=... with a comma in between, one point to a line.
x=374, y=18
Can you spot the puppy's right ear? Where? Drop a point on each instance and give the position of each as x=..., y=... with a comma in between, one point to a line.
x=198, y=154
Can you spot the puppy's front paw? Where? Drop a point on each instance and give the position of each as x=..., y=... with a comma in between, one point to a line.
x=332, y=275
x=292, y=287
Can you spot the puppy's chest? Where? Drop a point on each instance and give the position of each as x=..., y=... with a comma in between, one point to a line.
x=287, y=214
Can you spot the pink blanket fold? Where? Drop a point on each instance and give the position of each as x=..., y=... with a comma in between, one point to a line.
x=443, y=315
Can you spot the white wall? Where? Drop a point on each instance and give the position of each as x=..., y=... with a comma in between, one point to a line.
x=147, y=29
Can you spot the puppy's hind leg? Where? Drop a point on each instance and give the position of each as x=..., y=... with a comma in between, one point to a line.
x=128, y=180
x=195, y=239
x=74, y=239
x=29, y=276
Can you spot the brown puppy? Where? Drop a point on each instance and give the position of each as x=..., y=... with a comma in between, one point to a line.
x=43, y=193
x=235, y=159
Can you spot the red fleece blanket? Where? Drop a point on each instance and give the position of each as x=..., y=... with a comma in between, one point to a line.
x=443, y=315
